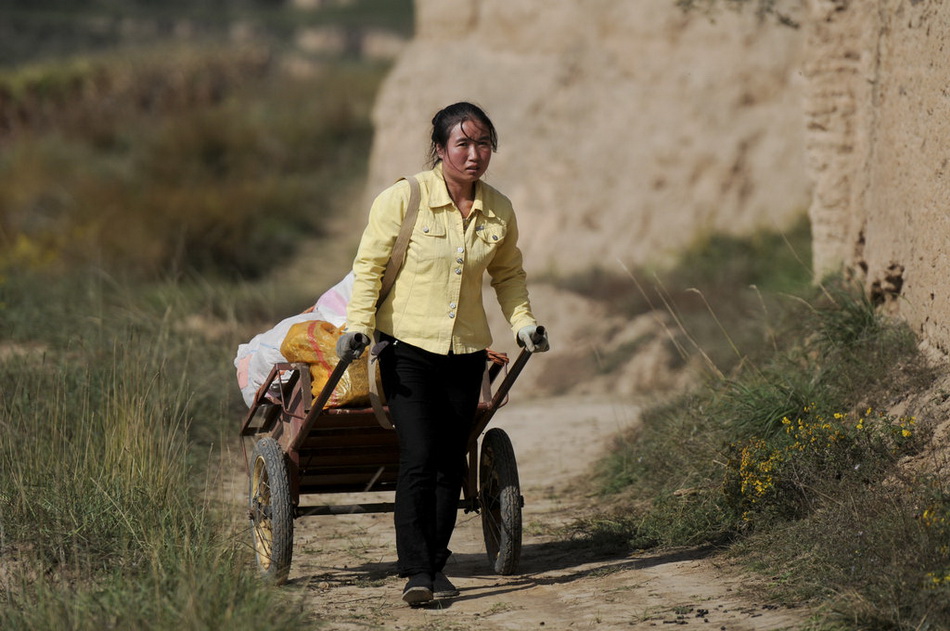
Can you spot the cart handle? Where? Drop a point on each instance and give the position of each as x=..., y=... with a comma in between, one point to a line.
x=317, y=406
x=538, y=336
x=502, y=391
x=362, y=340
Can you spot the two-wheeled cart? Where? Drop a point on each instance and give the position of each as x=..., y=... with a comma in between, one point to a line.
x=301, y=448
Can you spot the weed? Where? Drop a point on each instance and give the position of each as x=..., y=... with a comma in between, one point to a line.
x=720, y=279
x=104, y=494
x=796, y=446
x=498, y=607
x=228, y=185
x=792, y=474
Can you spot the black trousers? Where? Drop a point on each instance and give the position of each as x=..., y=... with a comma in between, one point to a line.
x=432, y=400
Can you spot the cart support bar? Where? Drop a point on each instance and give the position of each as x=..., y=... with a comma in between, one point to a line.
x=317, y=406
x=350, y=509
x=482, y=419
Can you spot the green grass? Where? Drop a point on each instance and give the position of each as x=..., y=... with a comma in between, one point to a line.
x=720, y=279
x=227, y=186
x=792, y=461
x=142, y=195
x=109, y=512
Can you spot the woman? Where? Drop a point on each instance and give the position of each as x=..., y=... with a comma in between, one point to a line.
x=437, y=330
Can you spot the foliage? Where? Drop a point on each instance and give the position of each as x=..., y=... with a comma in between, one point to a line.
x=787, y=476
x=797, y=445
x=721, y=278
x=52, y=30
x=106, y=519
x=226, y=184
x=140, y=188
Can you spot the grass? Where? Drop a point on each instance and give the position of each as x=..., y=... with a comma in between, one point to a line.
x=142, y=194
x=795, y=443
x=56, y=29
x=107, y=515
x=227, y=186
x=719, y=279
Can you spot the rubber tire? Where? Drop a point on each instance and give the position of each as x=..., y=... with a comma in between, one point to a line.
x=499, y=494
x=271, y=510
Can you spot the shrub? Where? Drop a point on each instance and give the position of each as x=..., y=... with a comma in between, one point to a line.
x=798, y=446
x=229, y=184
x=787, y=476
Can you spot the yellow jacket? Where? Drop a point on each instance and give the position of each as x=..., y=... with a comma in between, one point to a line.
x=436, y=300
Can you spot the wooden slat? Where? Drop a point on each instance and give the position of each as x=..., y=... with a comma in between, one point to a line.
x=351, y=473
x=347, y=488
x=325, y=421
x=339, y=481
x=369, y=411
x=348, y=439
x=349, y=412
x=365, y=456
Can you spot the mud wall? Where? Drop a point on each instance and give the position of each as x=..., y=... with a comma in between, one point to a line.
x=877, y=126
x=627, y=129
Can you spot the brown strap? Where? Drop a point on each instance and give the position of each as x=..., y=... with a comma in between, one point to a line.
x=375, y=397
x=402, y=241
x=389, y=277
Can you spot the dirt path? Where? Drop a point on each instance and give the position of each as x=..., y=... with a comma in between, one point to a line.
x=343, y=566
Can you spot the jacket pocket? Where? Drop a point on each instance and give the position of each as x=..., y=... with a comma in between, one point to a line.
x=491, y=233
x=429, y=237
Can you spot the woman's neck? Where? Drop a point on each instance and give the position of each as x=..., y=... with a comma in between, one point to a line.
x=462, y=193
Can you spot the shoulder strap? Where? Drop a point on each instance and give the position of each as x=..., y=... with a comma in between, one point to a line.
x=402, y=240
x=376, y=395
x=389, y=277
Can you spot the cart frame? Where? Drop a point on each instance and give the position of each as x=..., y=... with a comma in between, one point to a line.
x=302, y=448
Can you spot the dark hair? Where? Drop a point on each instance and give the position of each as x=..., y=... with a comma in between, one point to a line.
x=448, y=117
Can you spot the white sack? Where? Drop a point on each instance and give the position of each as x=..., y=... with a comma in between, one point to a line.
x=255, y=359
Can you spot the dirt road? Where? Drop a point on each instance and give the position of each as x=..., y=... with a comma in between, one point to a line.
x=344, y=566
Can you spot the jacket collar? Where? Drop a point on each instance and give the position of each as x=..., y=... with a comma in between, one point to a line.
x=439, y=195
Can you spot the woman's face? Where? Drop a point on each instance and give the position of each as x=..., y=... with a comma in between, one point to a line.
x=466, y=155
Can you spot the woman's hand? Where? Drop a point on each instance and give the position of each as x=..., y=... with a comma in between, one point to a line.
x=351, y=345
x=534, y=339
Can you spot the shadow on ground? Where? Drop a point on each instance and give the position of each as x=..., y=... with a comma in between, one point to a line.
x=548, y=563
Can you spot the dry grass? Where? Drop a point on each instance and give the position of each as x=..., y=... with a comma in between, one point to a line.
x=783, y=449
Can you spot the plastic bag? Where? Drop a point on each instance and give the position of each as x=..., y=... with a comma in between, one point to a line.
x=255, y=359
x=314, y=343
x=332, y=303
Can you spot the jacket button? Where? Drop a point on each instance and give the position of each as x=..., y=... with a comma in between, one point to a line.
x=451, y=305
x=494, y=237
x=458, y=270
x=425, y=228
x=460, y=260
x=451, y=314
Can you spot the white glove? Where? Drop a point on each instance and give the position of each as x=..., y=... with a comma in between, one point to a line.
x=534, y=339
x=351, y=345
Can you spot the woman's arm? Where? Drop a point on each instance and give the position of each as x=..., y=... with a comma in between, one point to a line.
x=509, y=280
x=385, y=219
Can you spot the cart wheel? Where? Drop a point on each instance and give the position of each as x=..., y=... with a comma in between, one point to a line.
x=272, y=517
x=500, y=501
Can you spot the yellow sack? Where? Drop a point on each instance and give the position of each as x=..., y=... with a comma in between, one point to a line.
x=314, y=343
